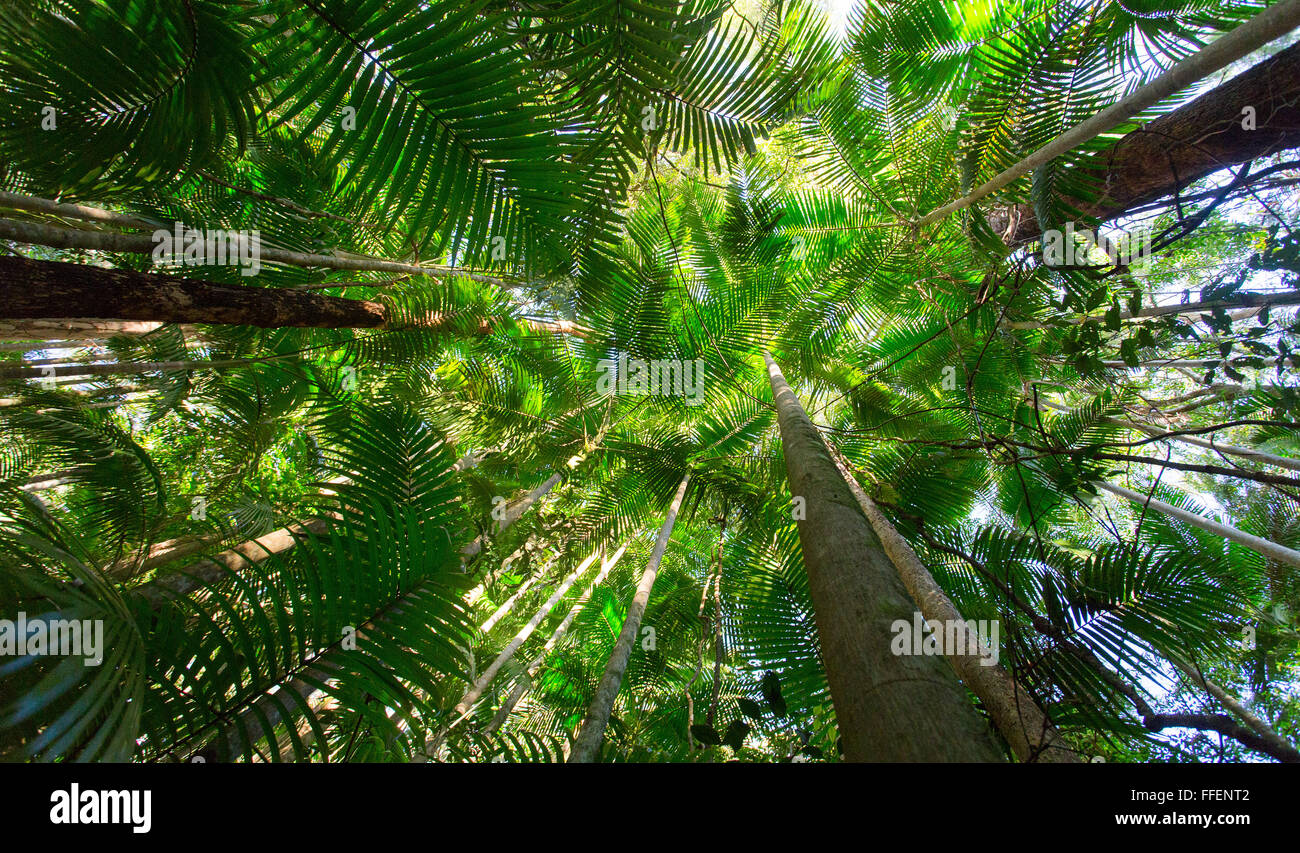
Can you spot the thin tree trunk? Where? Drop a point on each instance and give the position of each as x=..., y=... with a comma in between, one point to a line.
x=60, y=328
x=160, y=553
x=1156, y=432
x=196, y=575
x=1232, y=450
x=586, y=745
x=1018, y=718
x=121, y=368
x=253, y=551
x=556, y=637
x=890, y=707
x=1216, y=470
x=504, y=610
x=475, y=692
x=1261, y=546
x=1252, y=301
x=718, y=651
x=41, y=234
x=516, y=510
x=513, y=513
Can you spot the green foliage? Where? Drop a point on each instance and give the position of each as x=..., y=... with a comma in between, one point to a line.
x=294, y=544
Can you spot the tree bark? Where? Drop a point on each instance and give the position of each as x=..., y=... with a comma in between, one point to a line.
x=1278, y=746
x=32, y=289
x=1018, y=718
x=586, y=745
x=61, y=328
x=195, y=575
x=1252, y=302
x=42, y=234
x=889, y=707
x=1182, y=146
x=1156, y=432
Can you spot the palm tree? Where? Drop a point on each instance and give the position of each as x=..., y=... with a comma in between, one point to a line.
x=765, y=311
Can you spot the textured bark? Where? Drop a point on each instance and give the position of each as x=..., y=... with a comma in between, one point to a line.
x=32, y=289
x=60, y=328
x=1019, y=720
x=160, y=553
x=1184, y=145
x=889, y=707
x=41, y=234
x=1225, y=725
x=586, y=745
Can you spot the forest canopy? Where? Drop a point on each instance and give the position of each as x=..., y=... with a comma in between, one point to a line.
x=656, y=381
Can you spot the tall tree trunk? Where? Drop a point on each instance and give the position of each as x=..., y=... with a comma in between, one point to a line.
x=1251, y=302
x=504, y=610
x=513, y=513
x=1255, y=543
x=33, y=291
x=1232, y=450
x=43, y=234
x=586, y=746
x=889, y=707
x=196, y=575
x=1019, y=720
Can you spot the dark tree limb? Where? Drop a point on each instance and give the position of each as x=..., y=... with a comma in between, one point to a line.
x=1224, y=725
x=1183, y=146
x=31, y=289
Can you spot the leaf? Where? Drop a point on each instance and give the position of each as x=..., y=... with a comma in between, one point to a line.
x=1112, y=320
x=772, y=693
x=736, y=733
x=750, y=708
x=1128, y=350
x=706, y=735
